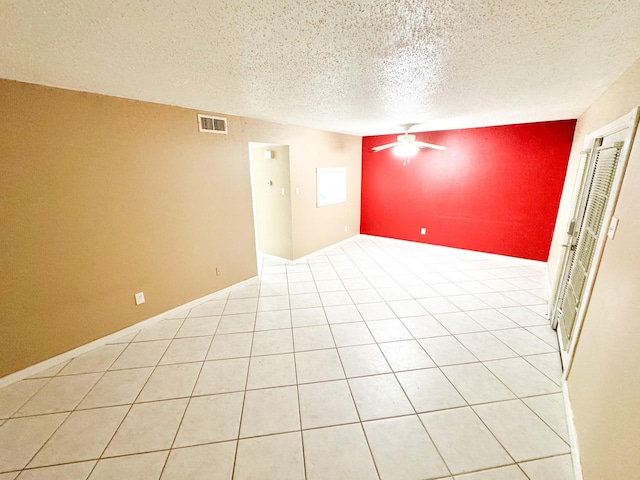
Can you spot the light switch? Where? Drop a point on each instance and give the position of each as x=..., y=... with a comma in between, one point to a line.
x=297, y=190
x=612, y=227
x=283, y=192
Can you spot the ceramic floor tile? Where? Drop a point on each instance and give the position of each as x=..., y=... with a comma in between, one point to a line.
x=524, y=316
x=378, y=311
x=424, y=327
x=448, y=288
x=496, y=300
x=338, y=452
x=222, y=376
x=207, y=309
x=436, y=305
x=335, y=298
x=211, y=462
x=61, y=394
x=213, y=418
x=348, y=334
x=389, y=330
x=485, y=346
x=236, y=323
x=270, y=342
x=308, y=317
x=429, y=390
x=551, y=409
x=363, y=360
x=491, y=319
x=524, y=298
x=391, y=294
x=325, y=404
x=245, y=291
x=277, y=302
x=402, y=449
x=312, y=338
x=458, y=322
x=142, y=432
x=343, y=314
x=299, y=277
x=296, y=288
x=379, y=396
x=352, y=284
x=198, y=327
x=53, y=371
x=521, y=378
x=274, y=456
x=549, y=364
x=329, y=286
x=407, y=308
x=240, y=305
x=447, y=351
x=273, y=410
x=83, y=436
x=146, y=466
x=274, y=290
x=143, y=354
x=305, y=300
x=170, y=381
x=366, y=295
x=512, y=472
x=118, y=387
x=523, y=342
x=318, y=366
x=463, y=441
x=182, y=350
x=476, y=383
x=545, y=333
x=234, y=345
x=554, y=468
x=406, y=355
x=522, y=433
x=273, y=320
x=13, y=476
x=72, y=471
x=421, y=291
x=272, y=371
x=98, y=360
x=12, y=397
x=21, y=438
x=163, y=330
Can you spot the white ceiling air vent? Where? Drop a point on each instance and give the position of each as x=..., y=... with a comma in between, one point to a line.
x=208, y=123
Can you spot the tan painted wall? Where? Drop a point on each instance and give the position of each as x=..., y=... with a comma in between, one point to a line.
x=604, y=382
x=104, y=197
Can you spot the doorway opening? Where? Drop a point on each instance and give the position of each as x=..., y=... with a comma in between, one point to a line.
x=271, y=190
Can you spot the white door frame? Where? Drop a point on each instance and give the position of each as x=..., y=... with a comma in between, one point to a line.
x=630, y=122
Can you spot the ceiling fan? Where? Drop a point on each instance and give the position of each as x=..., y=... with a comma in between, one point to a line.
x=407, y=145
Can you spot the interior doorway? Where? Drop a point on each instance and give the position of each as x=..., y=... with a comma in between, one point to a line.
x=271, y=184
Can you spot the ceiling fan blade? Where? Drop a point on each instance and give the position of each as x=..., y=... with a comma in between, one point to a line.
x=429, y=145
x=388, y=145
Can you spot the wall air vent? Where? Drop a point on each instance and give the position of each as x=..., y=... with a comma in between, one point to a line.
x=210, y=124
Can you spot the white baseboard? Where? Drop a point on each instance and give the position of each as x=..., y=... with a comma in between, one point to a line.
x=573, y=434
x=87, y=347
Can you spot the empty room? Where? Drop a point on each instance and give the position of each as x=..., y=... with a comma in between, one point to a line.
x=346, y=239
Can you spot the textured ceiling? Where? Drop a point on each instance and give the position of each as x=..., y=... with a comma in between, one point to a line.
x=354, y=66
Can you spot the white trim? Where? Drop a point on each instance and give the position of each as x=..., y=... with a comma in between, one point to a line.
x=629, y=121
x=573, y=434
x=87, y=347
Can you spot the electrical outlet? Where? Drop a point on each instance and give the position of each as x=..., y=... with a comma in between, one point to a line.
x=218, y=272
x=423, y=231
x=139, y=298
x=345, y=228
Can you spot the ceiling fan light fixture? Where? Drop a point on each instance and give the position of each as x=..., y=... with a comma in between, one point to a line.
x=405, y=150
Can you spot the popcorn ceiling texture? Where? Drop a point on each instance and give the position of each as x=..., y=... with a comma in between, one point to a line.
x=354, y=66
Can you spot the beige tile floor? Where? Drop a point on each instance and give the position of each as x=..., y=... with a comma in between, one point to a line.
x=375, y=359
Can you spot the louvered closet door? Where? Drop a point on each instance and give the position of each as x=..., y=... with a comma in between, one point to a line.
x=589, y=231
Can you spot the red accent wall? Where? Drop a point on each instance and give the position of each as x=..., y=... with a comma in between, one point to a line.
x=494, y=189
